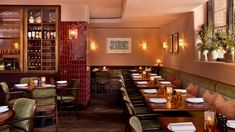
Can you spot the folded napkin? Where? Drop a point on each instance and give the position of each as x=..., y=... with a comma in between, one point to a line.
x=195, y=100
x=135, y=74
x=3, y=109
x=150, y=91
x=165, y=82
x=157, y=100
x=21, y=85
x=181, y=90
x=182, y=127
x=142, y=82
x=231, y=123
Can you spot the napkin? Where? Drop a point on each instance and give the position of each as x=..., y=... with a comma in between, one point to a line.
x=157, y=77
x=21, y=85
x=3, y=109
x=231, y=123
x=142, y=82
x=195, y=100
x=48, y=85
x=157, y=100
x=150, y=91
x=183, y=126
x=61, y=82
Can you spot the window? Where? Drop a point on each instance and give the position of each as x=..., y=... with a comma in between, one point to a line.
x=220, y=11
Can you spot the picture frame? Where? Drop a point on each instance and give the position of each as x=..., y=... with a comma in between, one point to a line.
x=170, y=43
x=176, y=42
x=119, y=45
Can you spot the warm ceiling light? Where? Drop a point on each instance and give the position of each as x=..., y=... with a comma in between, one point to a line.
x=164, y=46
x=144, y=45
x=93, y=46
x=73, y=33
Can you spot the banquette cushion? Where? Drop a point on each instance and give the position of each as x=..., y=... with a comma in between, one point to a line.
x=193, y=89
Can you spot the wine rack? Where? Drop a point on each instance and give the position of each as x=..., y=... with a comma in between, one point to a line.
x=42, y=39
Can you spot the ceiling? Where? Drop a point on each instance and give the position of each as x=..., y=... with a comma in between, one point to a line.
x=139, y=13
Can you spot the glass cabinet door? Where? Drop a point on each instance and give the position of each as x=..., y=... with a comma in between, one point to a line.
x=11, y=42
x=41, y=39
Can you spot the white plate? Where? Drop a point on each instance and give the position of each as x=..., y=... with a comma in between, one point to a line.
x=60, y=82
x=157, y=77
x=231, y=123
x=153, y=74
x=165, y=82
x=150, y=91
x=181, y=90
x=157, y=100
x=142, y=82
x=195, y=100
x=3, y=109
x=137, y=76
x=21, y=85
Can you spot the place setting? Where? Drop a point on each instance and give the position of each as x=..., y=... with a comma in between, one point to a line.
x=157, y=100
x=150, y=91
x=181, y=127
x=3, y=109
x=142, y=82
x=194, y=100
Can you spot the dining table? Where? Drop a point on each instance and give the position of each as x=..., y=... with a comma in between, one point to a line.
x=167, y=104
x=6, y=116
x=198, y=122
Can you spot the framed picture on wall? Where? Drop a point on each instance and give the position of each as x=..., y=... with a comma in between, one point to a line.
x=176, y=43
x=119, y=45
x=170, y=43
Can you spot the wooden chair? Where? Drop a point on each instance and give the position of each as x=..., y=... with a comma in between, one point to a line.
x=46, y=103
x=24, y=109
x=67, y=97
x=11, y=97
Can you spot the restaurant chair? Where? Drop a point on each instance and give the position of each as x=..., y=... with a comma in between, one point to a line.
x=5, y=128
x=135, y=125
x=101, y=81
x=148, y=124
x=67, y=97
x=46, y=104
x=11, y=97
x=137, y=100
x=25, y=80
x=24, y=114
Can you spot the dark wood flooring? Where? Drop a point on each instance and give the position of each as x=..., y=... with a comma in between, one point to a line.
x=102, y=115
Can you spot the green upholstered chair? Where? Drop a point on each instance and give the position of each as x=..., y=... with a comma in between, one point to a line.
x=9, y=98
x=67, y=97
x=5, y=128
x=46, y=103
x=136, y=99
x=24, y=112
x=142, y=112
x=26, y=79
x=135, y=125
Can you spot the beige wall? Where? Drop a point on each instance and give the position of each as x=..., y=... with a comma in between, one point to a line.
x=138, y=55
x=187, y=59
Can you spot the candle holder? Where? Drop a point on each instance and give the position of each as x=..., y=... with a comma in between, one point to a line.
x=209, y=121
x=152, y=80
x=43, y=80
x=169, y=90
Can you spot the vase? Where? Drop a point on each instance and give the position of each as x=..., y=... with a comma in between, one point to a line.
x=212, y=55
x=229, y=57
x=204, y=55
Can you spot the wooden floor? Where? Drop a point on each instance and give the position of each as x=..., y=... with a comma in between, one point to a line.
x=101, y=116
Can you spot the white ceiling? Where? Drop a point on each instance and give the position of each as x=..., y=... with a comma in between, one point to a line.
x=139, y=13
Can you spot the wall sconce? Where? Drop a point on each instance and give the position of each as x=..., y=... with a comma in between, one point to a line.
x=93, y=46
x=73, y=33
x=164, y=46
x=181, y=43
x=144, y=45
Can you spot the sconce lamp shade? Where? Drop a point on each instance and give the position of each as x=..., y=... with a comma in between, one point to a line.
x=73, y=33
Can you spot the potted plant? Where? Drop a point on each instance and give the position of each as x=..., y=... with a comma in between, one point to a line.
x=205, y=35
x=229, y=47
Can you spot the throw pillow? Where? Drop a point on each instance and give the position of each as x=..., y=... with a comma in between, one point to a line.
x=227, y=109
x=209, y=98
x=177, y=83
x=193, y=89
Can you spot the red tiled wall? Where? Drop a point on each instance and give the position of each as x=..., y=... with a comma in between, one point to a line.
x=73, y=58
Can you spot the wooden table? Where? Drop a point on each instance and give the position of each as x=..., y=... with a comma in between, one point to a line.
x=5, y=116
x=182, y=105
x=197, y=122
